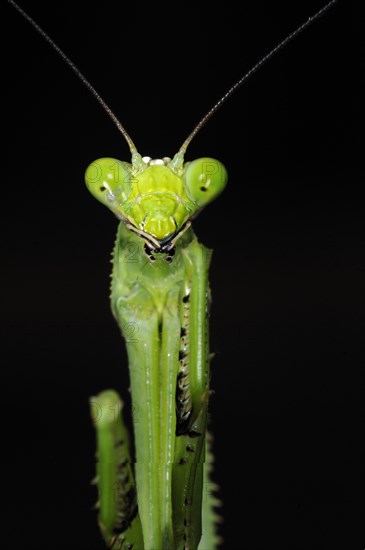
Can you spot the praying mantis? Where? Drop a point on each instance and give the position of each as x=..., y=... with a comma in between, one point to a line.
x=160, y=298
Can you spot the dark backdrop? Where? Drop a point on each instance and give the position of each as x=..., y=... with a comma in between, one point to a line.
x=286, y=283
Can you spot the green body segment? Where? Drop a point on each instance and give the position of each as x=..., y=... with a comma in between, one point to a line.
x=147, y=301
x=117, y=502
x=160, y=299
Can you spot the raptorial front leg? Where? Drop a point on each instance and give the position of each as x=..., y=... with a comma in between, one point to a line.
x=169, y=366
x=138, y=319
x=190, y=441
x=117, y=497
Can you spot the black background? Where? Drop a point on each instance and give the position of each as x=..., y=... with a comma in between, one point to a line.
x=286, y=281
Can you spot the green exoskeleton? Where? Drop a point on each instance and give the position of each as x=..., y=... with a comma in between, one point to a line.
x=160, y=298
x=163, y=296
x=151, y=488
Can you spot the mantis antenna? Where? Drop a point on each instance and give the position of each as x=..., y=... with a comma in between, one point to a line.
x=215, y=107
x=253, y=69
x=78, y=73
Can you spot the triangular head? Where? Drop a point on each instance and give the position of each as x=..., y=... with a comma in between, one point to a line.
x=156, y=198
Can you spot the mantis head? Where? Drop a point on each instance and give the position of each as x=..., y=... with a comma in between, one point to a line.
x=156, y=198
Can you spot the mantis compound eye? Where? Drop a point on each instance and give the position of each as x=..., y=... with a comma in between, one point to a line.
x=205, y=179
x=109, y=181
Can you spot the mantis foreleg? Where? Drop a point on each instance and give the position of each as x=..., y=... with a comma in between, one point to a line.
x=117, y=502
x=162, y=302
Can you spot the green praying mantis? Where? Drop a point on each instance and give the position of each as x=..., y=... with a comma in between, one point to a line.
x=150, y=493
